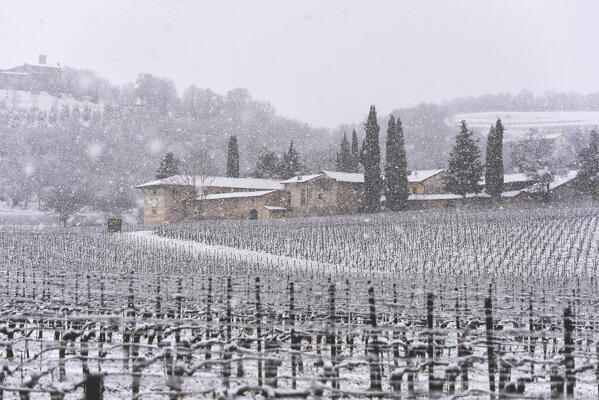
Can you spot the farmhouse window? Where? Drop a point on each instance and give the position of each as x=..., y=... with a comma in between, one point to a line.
x=303, y=198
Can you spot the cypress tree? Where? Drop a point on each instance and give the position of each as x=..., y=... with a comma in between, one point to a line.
x=371, y=158
x=233, y=158
x=355, y=152
x=169, y=166
x=494, y=160
x=396, y=170
x=588, y=161
x=344, y=161
x=465, y=168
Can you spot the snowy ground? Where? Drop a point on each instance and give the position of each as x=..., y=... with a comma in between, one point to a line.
x=43, y=100
x=150, y=239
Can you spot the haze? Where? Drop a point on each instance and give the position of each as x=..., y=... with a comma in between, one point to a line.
x=323, y=62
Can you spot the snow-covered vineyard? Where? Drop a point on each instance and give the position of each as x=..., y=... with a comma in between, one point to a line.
x=414, y=305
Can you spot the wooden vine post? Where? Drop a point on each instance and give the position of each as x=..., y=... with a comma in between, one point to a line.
x=568, y=351
x=490, y=349
x=258, y=321
x=373, y=350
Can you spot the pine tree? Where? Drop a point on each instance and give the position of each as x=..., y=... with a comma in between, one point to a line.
x=344, y=161
x=494, y=160
x=371, y=158
x=233, y=158
x=169, y=166
x=465, y=168
x=588, y=161
x=290, y=163
x=396, y=169
x=355, y=152
x=267, y=165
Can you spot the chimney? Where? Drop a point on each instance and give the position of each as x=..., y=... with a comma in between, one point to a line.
x=41, y=59
x=299, y=176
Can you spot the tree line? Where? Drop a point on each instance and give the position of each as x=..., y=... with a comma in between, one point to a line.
x=465, y=169
x=464, y=172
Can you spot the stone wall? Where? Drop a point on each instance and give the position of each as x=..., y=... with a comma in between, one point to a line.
x=241, y=207
x=325, y=196
x=163, y=205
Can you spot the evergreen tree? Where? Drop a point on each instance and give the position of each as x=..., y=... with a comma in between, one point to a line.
x=344, y=156
x=355, y=152
x=233, y=158
x=267, y=165
x=396, y=169
x=588, y=161
x=465, y=168
x=169, y=166
x=494, y=160
x=290, y=163
x=371, y=158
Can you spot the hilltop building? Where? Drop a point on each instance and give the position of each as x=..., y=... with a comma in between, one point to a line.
x=32, y=77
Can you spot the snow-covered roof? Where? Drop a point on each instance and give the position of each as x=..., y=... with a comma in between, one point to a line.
x=275, y=208
x=445, y=196
x=512, y=193
x=551, y=136
x=350, y=177
x=353, y=177
x=422, y=175
x=43, y=66
x=557, y=182
x=216, y=181
x=301, y=178
x=560, y=180
x=235, y=195
x=511, y=178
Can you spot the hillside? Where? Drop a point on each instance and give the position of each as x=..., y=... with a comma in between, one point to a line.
x=44, y=101
x=517, y=124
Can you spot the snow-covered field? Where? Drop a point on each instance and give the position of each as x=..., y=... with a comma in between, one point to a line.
x=518, y=124
x=353, y=306
x=43, y=101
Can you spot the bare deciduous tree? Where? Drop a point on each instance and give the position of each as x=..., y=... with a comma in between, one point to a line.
x=196, y=172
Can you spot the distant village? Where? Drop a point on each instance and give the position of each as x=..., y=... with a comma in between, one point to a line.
x=466, y=182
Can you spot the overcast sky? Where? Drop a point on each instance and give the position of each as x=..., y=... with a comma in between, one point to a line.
x=323, y=62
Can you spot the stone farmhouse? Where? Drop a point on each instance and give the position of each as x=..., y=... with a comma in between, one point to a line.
x=173, y=200
x=426, y=181
x=325, y=193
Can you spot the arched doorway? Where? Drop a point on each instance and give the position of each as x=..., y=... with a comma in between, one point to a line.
x=253, y=214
